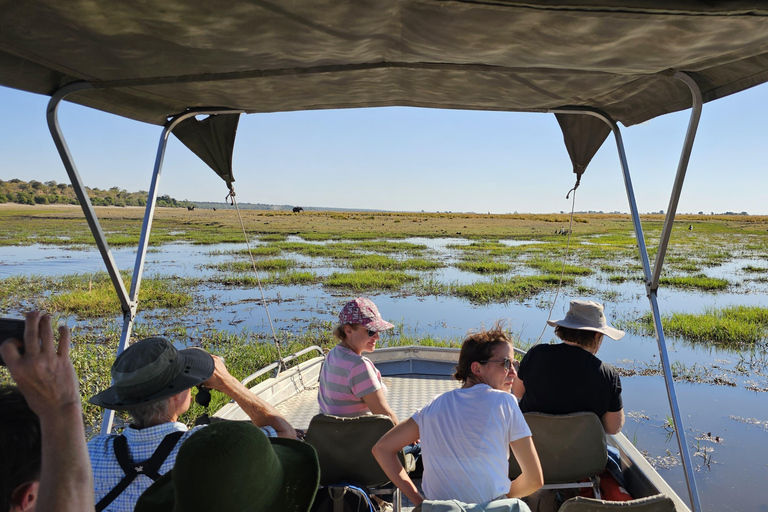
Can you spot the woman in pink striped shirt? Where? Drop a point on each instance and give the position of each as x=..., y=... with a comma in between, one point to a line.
x=350, y=385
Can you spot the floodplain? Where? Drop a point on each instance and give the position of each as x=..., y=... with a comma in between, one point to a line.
x=435, y=275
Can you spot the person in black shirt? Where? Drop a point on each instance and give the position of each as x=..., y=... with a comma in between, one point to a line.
x=568, y=377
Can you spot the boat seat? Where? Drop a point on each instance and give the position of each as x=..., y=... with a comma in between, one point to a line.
x=344, y=446
x=571, y=447
x=657, y=503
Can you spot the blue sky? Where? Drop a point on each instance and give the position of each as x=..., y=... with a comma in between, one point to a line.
x=410, y=159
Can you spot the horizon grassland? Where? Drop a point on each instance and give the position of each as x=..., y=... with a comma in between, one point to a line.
x=368, y=253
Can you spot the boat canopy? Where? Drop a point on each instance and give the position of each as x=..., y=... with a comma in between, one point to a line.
x=149, y=61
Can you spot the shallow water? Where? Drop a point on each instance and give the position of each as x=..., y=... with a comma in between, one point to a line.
x=730, y=480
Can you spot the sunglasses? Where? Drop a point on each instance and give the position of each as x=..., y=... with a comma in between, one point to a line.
x=506, y=362
x=372, y=333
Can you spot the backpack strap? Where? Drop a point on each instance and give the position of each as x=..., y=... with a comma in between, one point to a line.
x=149, y=467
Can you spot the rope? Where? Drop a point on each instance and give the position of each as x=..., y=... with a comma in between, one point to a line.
x=565, y=258
x=231, y=197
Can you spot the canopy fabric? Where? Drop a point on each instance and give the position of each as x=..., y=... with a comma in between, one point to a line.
x=583, y=136
x=212, y=140
x=148, y=60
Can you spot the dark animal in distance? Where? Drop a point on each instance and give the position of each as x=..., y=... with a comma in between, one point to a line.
x=191, y=208
x=298, y=209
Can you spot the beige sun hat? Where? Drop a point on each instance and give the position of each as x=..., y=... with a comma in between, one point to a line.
x=587, y=315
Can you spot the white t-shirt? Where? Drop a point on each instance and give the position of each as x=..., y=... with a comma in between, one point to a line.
x=465, y=436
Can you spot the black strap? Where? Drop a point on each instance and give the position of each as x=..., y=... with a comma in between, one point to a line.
x=149, y=467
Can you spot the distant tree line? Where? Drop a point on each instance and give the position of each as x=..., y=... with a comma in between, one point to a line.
x=50, y=192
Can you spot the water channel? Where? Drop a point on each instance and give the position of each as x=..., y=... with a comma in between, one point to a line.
x=726, y=423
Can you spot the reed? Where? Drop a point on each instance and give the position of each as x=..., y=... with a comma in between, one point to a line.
x=733, y=326
x=484, y=266
x=361, y=280
x=556, y=267
x=699, y=282
x=502, y=290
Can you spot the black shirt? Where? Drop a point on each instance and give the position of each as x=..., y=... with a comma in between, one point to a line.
x=561, y=379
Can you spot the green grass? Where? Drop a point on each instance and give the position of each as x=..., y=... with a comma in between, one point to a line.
x=293, y=278
x=90, y=295
x=556, y=267
x=733, y=326
x=246, y=266
x=484, y=267
x=369, y=280
x=379, y=262
x=754, y=270
x=698, y=282
x=502, y=290
x=97, y=297
x=259, y=250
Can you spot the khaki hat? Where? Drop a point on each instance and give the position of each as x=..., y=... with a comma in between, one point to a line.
x=587, y=315
x=153, y=369
x=233, y=466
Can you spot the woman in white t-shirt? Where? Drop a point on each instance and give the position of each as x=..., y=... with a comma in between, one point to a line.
x=466, y=433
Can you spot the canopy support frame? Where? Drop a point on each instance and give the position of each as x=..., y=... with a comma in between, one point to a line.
x=128, y=300
x=652, y=278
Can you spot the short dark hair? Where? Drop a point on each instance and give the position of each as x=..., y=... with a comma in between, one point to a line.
x=479, y=346
x=582, y=337
x=19, y=444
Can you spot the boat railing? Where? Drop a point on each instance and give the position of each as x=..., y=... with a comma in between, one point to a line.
x=280, y=365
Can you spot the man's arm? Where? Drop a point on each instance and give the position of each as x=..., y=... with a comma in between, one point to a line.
x=613, y=422
x=261, y=413
x=47, y=379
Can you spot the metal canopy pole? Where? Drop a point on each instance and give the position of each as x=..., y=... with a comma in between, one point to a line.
x=682, y=166
x=128, y=302
x=651, y=291
x=52, y=114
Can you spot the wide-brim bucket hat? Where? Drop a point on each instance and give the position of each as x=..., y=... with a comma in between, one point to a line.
x=233, y=466
x=364, y=312
x=153, y=369
x=587, y=315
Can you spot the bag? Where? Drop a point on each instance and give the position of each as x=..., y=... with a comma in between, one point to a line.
x=342, y=497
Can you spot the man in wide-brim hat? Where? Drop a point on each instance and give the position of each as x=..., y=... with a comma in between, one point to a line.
x=152, y=382
x=233, y=466
x=568, y=377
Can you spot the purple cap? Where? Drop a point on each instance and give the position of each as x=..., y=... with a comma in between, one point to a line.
x=364, y=312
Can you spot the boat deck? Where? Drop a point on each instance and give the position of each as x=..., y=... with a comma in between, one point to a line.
x=405, y=394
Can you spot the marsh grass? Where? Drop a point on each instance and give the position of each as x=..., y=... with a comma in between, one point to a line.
x=556, y=267
x=91, y=295
x=484, y=266
x=379, y=262
x=502, y=290
x=733, y=326
x=246, y=266
x=369, y=280
x=260, y=250
x=754, y=270
x=698, y=282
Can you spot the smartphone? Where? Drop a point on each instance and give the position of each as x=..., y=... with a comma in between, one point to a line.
x=11, y=328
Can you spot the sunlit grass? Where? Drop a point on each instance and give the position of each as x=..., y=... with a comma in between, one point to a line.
x=247, y=266
x=94, y=295
x=556, y=267
x=698, y=282
x=484, y=266
x=369, y=280
x=501, y=290
x=733, y=326
x=379, y=262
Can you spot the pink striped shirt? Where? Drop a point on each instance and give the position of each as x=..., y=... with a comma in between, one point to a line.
x=344, y=380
